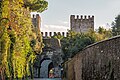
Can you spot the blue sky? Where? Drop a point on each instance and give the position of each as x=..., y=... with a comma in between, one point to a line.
x=56, y=17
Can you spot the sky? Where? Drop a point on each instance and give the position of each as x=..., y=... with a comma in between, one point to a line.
x=56, y=17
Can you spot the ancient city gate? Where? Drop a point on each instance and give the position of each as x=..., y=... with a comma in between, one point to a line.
x=49, y=62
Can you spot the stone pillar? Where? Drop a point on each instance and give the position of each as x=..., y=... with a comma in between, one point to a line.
x=38, y=20
x=46, y=34
x=50, y=34
x=72, y=22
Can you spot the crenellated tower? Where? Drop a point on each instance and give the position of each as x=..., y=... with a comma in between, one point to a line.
x=81, y=23
x=36, y=20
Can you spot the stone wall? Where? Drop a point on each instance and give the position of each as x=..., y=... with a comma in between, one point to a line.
x=50, y=53
x=99, y=61
x=50, y=34
x=36, y=20
x=81, y=24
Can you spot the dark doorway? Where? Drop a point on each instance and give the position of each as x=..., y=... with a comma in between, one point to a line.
x=51, y=70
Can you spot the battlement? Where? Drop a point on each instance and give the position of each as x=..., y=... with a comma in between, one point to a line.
x=81, y=23
x=85, y=17
x=35, y=16
x=78, y=23
x=50, y=34
x=36, y=20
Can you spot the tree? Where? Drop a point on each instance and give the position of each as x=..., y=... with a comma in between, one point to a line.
x=36, y=5
x=74, y=43
x=16, y=35
x=116, y=26
x=100, y=34
x=101, y=30
x=105, y=33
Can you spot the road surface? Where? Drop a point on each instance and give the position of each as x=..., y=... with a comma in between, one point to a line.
x=47, y=79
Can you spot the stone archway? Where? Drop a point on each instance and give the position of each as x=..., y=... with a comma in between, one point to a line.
x=44, y=70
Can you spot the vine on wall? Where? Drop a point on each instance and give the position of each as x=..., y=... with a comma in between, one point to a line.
x=16, y=35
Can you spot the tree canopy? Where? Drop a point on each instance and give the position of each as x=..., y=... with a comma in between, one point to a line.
x=116, y=26
x=75, y=42
x=36, y=5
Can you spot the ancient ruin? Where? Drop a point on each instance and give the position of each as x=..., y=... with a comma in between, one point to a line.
x=49, y=61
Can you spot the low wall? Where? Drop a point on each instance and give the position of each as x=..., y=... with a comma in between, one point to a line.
x=99, y=61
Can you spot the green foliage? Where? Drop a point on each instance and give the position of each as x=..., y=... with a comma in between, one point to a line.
x=74, y=42
x=57, y=36
x=101, y=30
x=5, y=44
x=36, y=42
x=100, y=34
x=106, y=33
x=36, y=5
x=16, y=36
x=116, y=26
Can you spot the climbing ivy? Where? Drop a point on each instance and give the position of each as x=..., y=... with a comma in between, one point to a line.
x=16, y=34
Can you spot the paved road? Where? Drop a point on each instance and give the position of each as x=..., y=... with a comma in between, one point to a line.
x=48, y=79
